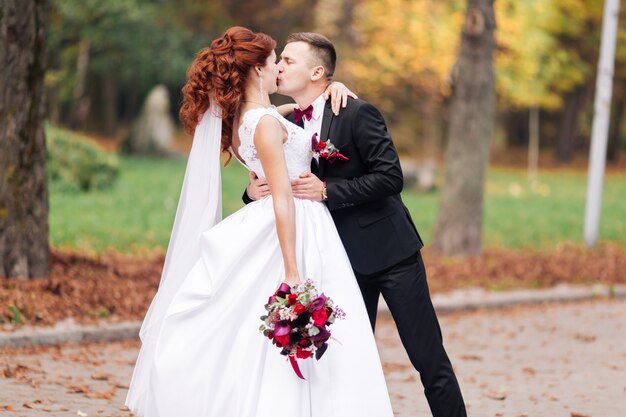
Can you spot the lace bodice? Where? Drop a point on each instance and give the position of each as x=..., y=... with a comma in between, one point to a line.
x=297, y=147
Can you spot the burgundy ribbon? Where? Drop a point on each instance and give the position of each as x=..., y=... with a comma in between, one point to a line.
x=296, y=368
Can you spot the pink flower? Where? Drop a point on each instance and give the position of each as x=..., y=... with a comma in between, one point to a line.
x=319, y=302
x=314, y=142
x=282, y=328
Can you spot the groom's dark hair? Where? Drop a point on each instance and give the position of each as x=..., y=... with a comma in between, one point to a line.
x=322, y=48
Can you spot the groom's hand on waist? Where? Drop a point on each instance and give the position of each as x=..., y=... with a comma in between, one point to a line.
x=308, y=187
x=258, y=187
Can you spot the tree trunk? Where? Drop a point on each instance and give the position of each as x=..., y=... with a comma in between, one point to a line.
x=533, y=147
x=567, y=132
x=80, y=100
x=431, y=143
x=617, y=115
x=23, y=179
x=459, y=224
x=109, y=98
x=516, y=127
x=131, y=101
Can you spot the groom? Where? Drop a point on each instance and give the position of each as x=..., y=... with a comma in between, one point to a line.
x=363, y=196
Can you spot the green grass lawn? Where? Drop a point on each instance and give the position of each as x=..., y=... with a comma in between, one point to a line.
x=138, y=212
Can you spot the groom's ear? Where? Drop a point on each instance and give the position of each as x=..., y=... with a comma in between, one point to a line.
x=318, y=73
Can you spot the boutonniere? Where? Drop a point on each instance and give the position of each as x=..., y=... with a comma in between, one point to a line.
x=326, y=150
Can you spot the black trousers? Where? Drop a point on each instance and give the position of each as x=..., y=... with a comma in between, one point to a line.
x=405, y=291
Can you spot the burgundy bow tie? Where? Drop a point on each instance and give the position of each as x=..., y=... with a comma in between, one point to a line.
x=298, y=114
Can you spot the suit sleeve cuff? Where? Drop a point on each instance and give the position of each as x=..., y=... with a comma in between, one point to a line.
x=246, y=198
x=334, y=201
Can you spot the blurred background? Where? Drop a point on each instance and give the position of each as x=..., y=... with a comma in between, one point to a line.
x=115, y=152
x=490, y=106
x=116, y=69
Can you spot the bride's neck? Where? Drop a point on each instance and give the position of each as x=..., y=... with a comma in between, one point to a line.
x=253, y=98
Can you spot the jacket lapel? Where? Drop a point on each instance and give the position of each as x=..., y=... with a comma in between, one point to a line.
x=290, y=118
x=326, y=122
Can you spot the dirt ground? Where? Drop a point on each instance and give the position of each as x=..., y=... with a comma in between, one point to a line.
x=119, y=287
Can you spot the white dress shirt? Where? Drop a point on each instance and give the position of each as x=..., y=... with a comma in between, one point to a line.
x=315, y=124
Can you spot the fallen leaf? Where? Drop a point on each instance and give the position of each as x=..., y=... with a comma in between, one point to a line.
x=104, y=395
x=585, y=337
x=17, y=371
x=471, y=357
x=100, y=376
x=496, y=394
x=77, y=389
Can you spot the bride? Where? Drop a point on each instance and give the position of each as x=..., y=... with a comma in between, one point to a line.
x=202, y=354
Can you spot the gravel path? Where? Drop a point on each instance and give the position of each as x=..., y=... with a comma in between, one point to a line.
x=549, y=360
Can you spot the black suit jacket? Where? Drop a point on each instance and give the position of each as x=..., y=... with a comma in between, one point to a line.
x=364, y=192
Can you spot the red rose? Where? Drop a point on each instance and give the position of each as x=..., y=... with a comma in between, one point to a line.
x=320, y=317
x=303, y=354
x=283, y=340
x=321, y=146
x=292, y=299
x=270, y=335
x=299, y=309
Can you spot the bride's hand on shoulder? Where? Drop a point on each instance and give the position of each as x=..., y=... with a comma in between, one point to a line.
x=338, y=94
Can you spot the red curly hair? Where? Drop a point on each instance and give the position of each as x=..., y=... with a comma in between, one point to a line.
x=219, y=73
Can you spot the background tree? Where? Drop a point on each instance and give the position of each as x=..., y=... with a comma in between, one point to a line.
x=106, y=56
x=459, y=222
x=23, y=182
x=617, y=133
x=401, y=60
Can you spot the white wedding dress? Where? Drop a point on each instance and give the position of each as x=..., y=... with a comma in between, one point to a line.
x=210, y=360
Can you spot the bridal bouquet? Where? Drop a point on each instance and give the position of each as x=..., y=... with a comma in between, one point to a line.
x=297, y=321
